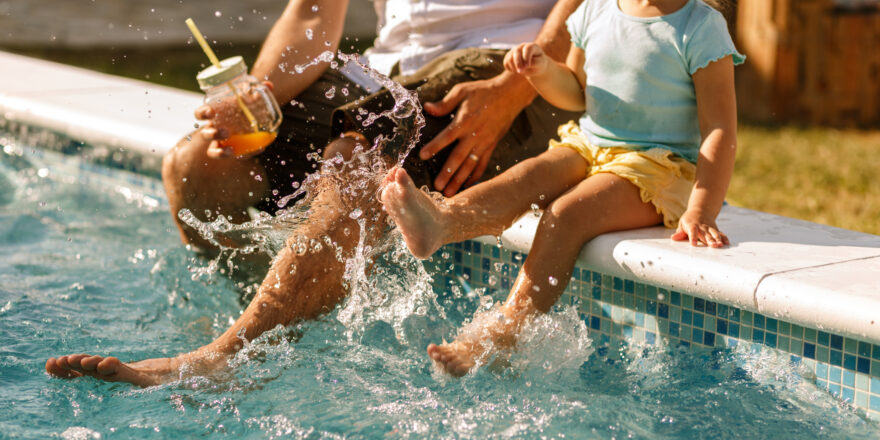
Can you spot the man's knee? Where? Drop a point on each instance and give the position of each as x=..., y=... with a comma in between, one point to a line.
x=345, y=144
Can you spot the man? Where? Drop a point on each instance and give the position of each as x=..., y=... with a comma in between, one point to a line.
x=481, y=120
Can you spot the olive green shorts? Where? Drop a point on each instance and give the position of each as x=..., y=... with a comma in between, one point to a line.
x=335, y=104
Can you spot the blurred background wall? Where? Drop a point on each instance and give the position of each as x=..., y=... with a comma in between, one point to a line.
x=116, y=23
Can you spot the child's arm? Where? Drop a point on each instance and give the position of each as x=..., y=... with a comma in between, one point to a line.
x=716, y=108
x=560, y=84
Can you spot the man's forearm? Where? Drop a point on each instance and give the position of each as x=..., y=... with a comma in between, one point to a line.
x=288, y=45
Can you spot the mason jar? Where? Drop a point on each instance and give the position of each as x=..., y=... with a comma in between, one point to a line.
x=242, y=105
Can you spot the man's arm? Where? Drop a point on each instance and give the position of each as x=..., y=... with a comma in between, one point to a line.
x=482, y=119
x=288, y=45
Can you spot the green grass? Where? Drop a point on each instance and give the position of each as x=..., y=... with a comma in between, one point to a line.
x=824, y=175
x=818, y=174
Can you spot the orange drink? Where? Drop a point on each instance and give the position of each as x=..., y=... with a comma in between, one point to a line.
x=244, y=144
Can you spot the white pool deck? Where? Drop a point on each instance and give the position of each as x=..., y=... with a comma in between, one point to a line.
x=809, y=274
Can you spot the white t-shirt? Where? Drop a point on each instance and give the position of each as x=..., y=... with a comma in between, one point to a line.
x=414, y=32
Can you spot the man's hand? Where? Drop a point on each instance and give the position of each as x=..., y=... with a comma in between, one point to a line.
x=484, y=111
x=224, y=118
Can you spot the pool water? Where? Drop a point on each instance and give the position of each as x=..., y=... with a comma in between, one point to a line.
x=90, y=262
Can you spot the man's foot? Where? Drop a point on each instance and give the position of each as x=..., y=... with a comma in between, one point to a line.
x=416, y=215
x=143, y=373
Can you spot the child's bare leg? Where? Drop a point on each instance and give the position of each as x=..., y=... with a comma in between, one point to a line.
x=601, y=203
x=484, y=209
x=296, y=287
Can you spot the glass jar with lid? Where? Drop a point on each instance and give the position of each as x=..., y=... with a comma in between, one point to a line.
x=242, y=105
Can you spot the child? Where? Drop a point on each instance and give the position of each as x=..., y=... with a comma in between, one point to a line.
x=656, y=144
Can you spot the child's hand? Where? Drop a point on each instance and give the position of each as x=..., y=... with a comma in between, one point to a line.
x=527, y=59
x=701, y=231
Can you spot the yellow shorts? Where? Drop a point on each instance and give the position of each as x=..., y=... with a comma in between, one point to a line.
x=664, y=179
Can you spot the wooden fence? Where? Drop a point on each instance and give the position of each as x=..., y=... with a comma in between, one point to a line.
x=810, y=61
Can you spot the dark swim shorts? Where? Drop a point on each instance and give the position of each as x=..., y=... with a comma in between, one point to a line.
x=332, y=105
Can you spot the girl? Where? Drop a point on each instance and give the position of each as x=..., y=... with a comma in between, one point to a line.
x=656, y=144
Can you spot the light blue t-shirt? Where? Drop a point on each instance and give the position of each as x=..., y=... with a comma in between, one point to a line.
x=639, y=90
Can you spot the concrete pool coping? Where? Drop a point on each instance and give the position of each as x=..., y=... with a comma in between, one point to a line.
x=809, y=274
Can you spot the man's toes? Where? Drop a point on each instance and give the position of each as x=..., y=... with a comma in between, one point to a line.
x=62, y=363
x=108, y=366
x=56, y=370
x=91, y=362
x=75, y=360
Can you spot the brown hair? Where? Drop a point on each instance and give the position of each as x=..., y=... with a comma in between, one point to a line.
x=723, y=6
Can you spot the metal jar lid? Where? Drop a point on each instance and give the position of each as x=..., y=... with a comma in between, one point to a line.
x=214, y=76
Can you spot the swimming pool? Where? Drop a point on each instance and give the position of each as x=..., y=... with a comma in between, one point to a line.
x=90, y=262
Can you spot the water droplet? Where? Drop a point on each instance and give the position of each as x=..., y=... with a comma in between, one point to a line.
x=535, y=210
x=309, y=34
x=553, y=281
x=218, y=14
x=314, y=8
x=356, y=213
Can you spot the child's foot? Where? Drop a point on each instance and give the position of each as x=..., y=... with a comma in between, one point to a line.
x=488, y=335
x=455, y=358
x=414, y=212
x=144, y=373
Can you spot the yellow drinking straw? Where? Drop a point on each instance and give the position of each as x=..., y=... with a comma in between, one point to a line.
x=216, y=62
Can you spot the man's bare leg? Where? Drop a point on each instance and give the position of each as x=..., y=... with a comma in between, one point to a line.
x=298, y=286
x=221, y=186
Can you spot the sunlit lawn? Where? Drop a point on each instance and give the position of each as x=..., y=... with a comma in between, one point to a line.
x=819, y=174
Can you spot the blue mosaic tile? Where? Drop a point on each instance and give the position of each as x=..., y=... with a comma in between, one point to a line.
x=486, y=264
x=734, y=315
x=698, y=320
x=822, y=371
x=652, y=308
x=650, y=338
x=663, y=310
x=758, y=320
x=823, y=338
x=849, y=362
x=757, y=335
x=709, y=339
x=468, y=246
x=835, y=358
x=848, y=394
x=733, y=330
x=771, y=325
x=629, y=286
x=686, y=317
x=876, y=354
x=710, y=308
x=721, y=326
x=673, y=329
x=863, y=365
x=478, y=248
x=618, y=283
x=809, y=350
x=864, y=349
x=496, y=253
x=699, y=304
x=697, y=336
x=837, y=342
x=875, y=403
x=770, y=339
x=675, y=298
x=848, y=378
x=594, y=322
